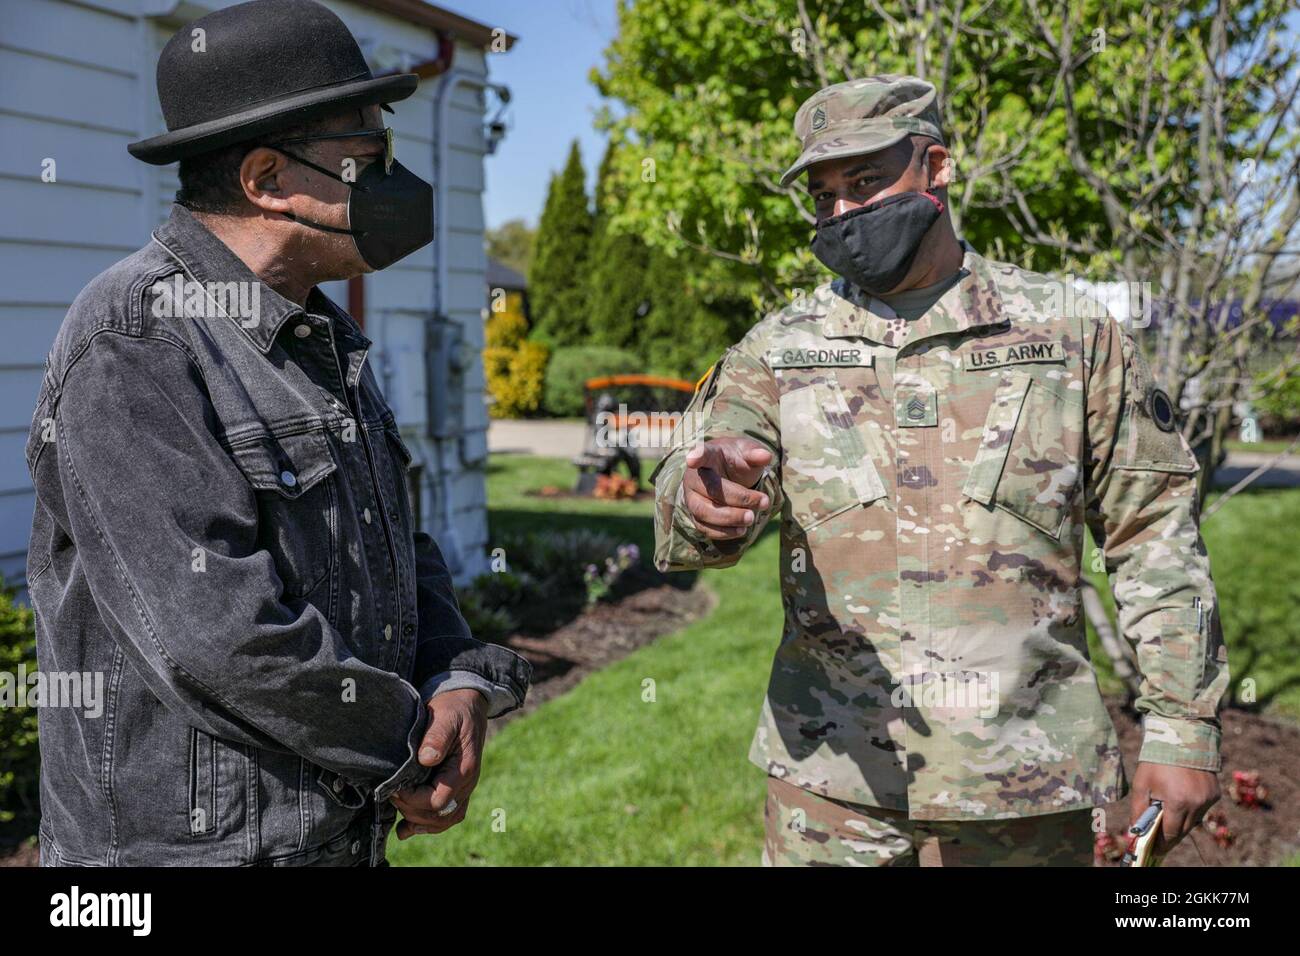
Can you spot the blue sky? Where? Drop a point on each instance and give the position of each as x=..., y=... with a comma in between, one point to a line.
x=552, y=102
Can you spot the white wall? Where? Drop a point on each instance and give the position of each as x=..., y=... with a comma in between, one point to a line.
x=77, y=85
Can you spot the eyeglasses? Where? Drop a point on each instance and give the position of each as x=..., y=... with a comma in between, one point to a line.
x=385, y=132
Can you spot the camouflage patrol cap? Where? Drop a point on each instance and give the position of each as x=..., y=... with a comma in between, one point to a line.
x=862, y=116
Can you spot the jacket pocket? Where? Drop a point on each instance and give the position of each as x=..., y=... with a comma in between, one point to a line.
x=202, y=783
x=402, y=453
x=826, y=468
x=1028, y=460
x=297, y=504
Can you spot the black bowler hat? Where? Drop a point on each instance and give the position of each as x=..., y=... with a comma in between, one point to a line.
x=259, y=67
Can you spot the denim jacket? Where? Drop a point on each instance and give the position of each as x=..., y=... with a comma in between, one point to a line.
x=223, y=536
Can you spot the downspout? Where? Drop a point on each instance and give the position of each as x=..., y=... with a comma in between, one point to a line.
x=446, y=445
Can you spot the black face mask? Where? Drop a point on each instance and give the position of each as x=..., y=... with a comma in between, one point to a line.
x=874, y=246
x=390, y=215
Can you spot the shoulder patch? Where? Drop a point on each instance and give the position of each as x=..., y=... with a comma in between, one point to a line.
x=1161, y=409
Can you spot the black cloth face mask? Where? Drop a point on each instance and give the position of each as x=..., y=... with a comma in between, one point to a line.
x=390, y=215
x=874, y=246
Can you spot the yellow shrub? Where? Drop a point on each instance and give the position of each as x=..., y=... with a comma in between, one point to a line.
x=515, y=378
x=507, y=328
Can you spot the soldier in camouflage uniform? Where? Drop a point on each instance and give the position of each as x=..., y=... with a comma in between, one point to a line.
x=936, y=441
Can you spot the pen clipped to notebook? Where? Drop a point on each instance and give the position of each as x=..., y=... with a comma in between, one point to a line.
x=1143, y=834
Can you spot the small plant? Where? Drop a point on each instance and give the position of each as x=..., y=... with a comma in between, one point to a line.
x=600, y=581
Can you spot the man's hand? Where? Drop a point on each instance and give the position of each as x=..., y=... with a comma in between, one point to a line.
x=1187, y=795
x=717, y=485
x=453, y=742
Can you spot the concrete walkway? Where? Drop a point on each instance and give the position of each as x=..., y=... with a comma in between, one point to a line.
x=563, y=439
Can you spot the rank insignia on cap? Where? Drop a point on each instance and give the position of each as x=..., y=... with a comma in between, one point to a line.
x=1161, y=409
x=818, y=119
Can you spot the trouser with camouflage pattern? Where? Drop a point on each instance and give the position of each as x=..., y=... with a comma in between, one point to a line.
x=804, y=829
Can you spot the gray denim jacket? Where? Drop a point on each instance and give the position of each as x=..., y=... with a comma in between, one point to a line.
x=223, y=532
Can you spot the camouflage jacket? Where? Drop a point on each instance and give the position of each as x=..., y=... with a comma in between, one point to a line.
x=935, y=479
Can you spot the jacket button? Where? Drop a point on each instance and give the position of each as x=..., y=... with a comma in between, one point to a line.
x=302, y=331
x=356, y=847
x=288, y=479
x=338, y=784
x=388, y=632
x=366, y=515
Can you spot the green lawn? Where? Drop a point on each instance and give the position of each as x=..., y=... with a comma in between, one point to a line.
x=601, y=776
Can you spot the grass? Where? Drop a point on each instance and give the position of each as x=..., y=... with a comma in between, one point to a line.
x=603, y=776
x=1267, y=446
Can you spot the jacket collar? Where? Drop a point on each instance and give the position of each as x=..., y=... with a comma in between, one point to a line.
x=971, y=303
x=205, y=258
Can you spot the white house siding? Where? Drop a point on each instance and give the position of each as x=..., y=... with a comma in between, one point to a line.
x=77, y=85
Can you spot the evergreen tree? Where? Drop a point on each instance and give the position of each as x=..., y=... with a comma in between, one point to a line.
x=557, y=281
x=616, y=286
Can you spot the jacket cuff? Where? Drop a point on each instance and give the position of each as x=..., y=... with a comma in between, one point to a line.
x=501, y=698
x=1181, y=742
x=411, y=773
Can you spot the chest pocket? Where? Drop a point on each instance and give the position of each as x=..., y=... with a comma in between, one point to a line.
x=826, y=467
x=1028, y=459
x=297, y=504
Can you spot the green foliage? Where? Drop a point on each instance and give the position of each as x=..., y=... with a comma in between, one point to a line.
x=560, y=258
x=652, y=301
x=616, y=283
x=511, y=244
x=688, y=324
x=571, y=367
x=19, y=757
x=710, y=92
x=617, y=291
x=1278, y=404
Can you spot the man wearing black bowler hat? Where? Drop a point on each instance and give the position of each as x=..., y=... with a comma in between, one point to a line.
x=222, y=527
